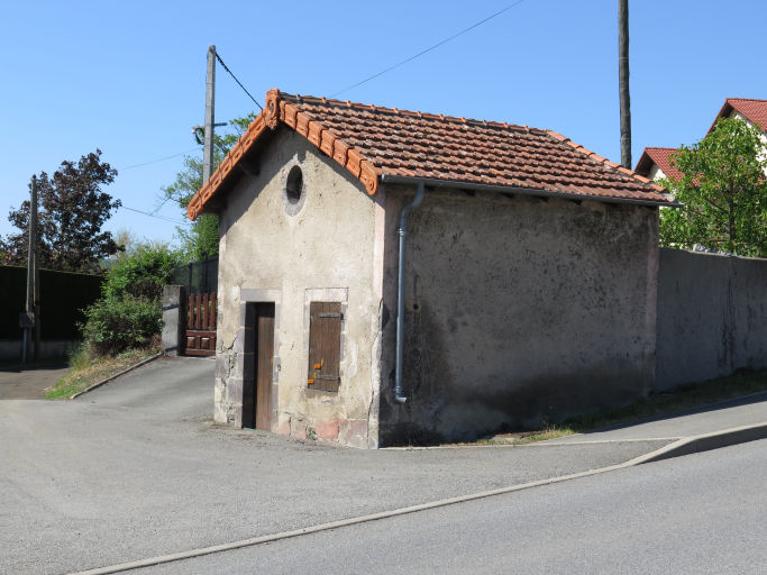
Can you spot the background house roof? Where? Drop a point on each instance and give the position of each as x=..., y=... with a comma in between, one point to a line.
x=661, y=157
x=752, y=109
x=371, y=141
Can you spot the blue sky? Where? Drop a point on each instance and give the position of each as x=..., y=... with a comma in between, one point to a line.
x=128, y=77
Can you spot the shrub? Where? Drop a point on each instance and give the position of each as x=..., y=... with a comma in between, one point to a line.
x=129, y=314
x=114, y=324
x=141, y=273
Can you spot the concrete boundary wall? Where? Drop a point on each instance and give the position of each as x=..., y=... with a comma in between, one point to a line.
x=712, y=316
x=10, y=349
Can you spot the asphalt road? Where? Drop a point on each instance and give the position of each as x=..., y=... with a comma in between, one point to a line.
x=702, y=513
x=31, y=381
x=136, y=469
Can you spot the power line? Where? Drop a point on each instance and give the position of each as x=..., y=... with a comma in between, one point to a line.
x=158, y=208
x=167, y=199
x=238, y=82
x=143, y=213
x=350, y=87
x=429, y=49
x=153, y=213
x=158, y=160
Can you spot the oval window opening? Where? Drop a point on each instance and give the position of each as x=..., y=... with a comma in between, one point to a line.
x=295, y=185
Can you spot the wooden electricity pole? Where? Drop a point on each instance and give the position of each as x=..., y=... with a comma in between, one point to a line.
x=623, y=81
x=210, y=96
x=29, y=319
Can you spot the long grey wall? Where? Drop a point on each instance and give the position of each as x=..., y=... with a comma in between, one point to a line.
x=712, y=316
x=63, y=296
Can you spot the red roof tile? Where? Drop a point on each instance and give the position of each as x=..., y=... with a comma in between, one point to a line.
x=752, y=109
x=371, y=142
x=660, y=157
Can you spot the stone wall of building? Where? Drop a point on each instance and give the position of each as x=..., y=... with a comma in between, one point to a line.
x=325, y=247
x=520, y=311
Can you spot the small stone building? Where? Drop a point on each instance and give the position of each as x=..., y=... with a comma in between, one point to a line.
x=392, y=277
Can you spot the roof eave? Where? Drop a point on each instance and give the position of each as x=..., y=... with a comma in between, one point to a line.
x=644, y=165
x=278, y=112
x=435, y=183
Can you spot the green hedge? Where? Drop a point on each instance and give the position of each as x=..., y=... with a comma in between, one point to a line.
x=141, y=273
x=63, y=296
x=116, y=324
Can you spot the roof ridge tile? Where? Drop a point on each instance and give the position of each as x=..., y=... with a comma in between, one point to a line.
x=399, y=111
x=745, y=100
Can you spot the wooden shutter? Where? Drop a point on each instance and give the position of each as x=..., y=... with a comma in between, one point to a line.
x=324, y=346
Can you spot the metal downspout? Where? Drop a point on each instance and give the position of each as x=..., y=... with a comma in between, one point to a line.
x=402, y=232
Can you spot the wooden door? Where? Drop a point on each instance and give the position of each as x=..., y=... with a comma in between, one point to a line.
x=264, y=354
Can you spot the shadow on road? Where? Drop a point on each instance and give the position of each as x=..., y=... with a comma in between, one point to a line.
x=29, y=381
x=709, y=408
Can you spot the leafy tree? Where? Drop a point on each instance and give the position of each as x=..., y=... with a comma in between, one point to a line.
x=201, y=241
x=723, y=192
x=71, y=214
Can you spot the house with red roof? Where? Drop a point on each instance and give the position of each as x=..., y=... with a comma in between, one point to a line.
x=394, y=277
x=750, y=110
x=657, y=163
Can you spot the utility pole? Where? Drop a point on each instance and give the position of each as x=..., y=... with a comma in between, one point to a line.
x=623, y=81
x=29, y=317
x=210, y=97
x=36, y=291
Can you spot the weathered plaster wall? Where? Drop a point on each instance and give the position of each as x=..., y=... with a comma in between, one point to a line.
x=325, y=249
x=712, y=316
x=520, y=311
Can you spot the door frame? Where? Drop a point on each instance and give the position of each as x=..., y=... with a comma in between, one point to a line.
x=246, y=359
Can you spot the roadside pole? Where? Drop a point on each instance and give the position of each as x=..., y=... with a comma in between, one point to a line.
x=36, y=291
x=28, y=319
x=623, y=81
x=210, y=96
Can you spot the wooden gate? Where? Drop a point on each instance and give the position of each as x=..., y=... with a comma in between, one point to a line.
x=201, y=324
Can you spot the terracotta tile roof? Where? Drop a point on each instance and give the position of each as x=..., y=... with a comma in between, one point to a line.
x=752, y=109
x=660, y=157
x=372, y=141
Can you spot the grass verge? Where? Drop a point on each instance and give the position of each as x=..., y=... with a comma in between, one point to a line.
x=85, y=370
x=684, y=399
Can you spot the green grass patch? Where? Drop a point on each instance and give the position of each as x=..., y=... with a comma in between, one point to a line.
x=85, y=369
x=683, y=399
